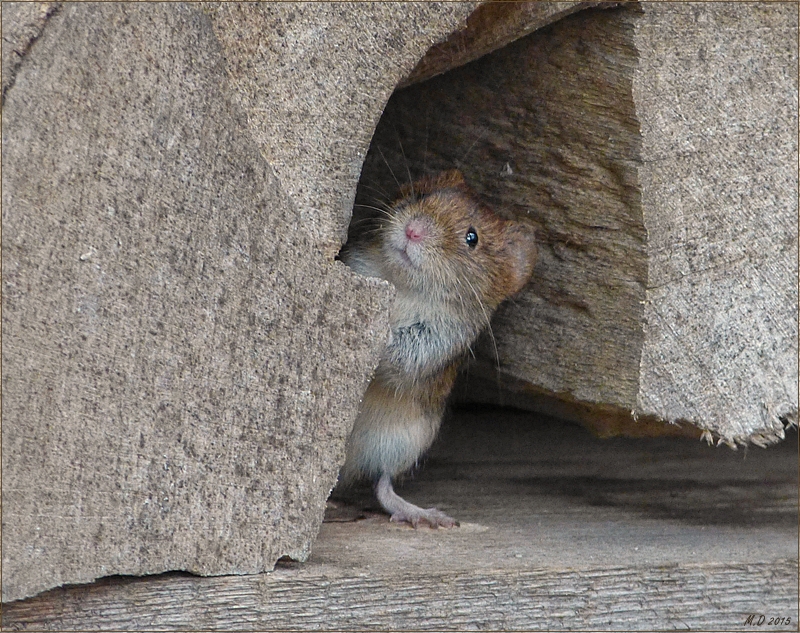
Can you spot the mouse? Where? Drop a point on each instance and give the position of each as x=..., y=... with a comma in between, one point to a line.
x=452, y=261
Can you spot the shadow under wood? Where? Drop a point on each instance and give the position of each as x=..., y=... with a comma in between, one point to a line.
x=524, y=464
x=724, y=502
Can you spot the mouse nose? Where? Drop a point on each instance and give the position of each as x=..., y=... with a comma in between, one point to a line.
x=415, y=230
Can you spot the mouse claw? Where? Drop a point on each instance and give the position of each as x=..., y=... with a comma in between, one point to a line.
x=401, y=511
x=433, y=517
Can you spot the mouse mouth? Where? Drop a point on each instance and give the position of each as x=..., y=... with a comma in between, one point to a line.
x=403, y=251
x=405, y=258
x=409, y=241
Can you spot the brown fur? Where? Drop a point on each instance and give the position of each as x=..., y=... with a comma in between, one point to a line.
x=447, y=291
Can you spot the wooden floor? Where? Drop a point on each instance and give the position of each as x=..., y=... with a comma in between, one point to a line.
x=559, y=531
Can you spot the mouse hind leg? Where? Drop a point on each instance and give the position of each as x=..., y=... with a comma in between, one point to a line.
x=402, y=511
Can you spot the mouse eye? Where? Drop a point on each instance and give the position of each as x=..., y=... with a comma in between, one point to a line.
x=471, y=237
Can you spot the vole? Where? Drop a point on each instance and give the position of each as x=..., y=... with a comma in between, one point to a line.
x=452, y=261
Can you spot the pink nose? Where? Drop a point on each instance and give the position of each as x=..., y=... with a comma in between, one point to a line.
x=415, y=230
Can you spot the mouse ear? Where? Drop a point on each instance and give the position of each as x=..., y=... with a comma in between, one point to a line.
x=520, y=253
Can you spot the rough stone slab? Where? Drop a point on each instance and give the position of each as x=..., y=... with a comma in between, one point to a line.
x=313, y=79
x=22, y=23
x=559, y=531
x=716, y=97
x=182, y=357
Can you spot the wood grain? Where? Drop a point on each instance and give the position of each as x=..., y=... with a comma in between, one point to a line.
x=545, y=129
x=654, y=146
x=716, y=598
x=490, y=27
x=716, y=93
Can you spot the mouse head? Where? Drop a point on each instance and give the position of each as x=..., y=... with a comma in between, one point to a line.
x=441, y=242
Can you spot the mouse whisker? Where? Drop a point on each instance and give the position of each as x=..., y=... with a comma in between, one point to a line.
x=391, y=171
x=487, y=320
x=405, y=160
x=460, y=161
x=374, y=208
x=425, y=150
x=460, y=295
x=385, y=195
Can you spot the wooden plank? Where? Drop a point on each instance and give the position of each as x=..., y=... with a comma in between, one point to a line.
x=544, y=129
x=666, y=284
x=559, y=531
x=647, y=598
x=716, y=97
x=490, y=27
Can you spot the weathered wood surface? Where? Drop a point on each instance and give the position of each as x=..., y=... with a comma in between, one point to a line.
x=645, y=598
x=559, y=531
x=167, y=266
x=719, y=185
x=545, y=129
x=178, y=178
x=660, y=292
x=490, y=27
